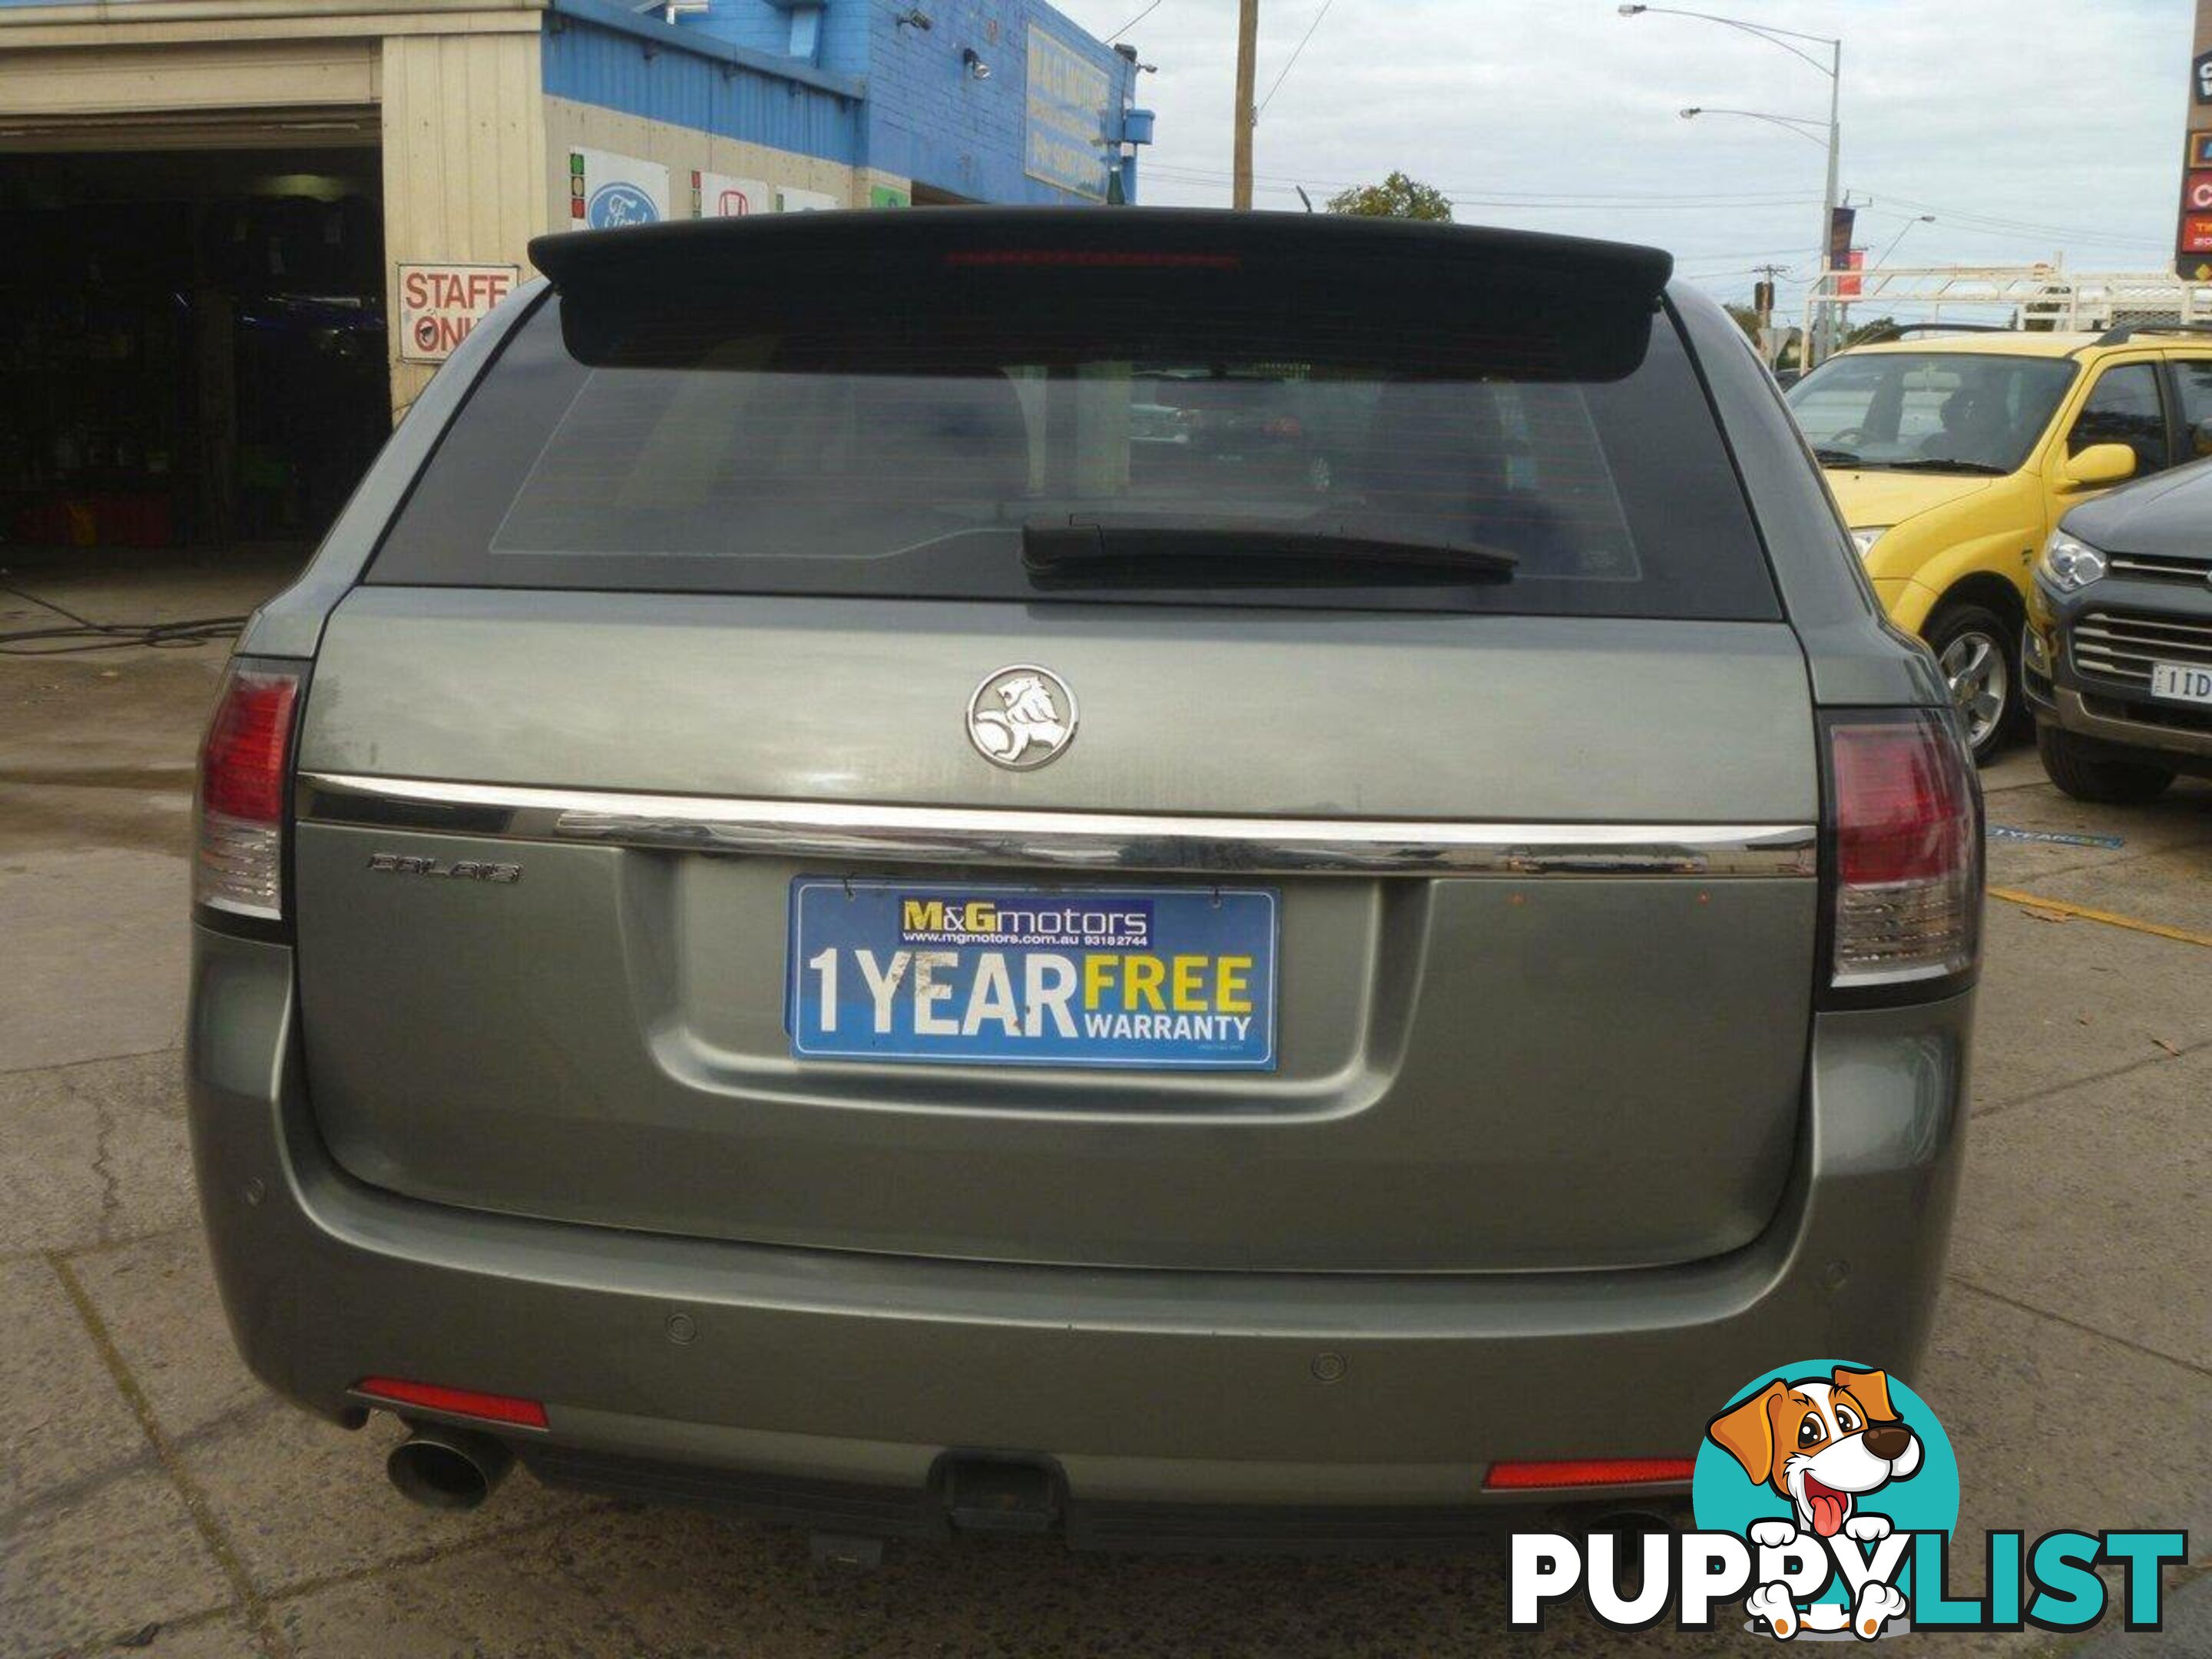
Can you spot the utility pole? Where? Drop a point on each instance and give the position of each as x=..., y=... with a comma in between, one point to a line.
x=1247, y=52
x=1762, y=304
x=1828, y=213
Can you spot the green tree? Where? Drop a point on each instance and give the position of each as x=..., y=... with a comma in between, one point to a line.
x=1396, y=197
x=1745, y=319
x=1873, y=329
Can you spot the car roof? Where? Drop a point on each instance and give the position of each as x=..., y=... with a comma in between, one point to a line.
x=2011, y=343
x=2022, y=342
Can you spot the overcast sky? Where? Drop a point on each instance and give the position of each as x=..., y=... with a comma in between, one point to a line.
x=2028, y=127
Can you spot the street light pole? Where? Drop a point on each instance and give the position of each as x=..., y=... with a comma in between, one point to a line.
x=1804, y=126
x=1923, y=219
x=1833, y=68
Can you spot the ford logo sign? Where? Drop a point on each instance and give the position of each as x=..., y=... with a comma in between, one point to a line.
x=617, y=204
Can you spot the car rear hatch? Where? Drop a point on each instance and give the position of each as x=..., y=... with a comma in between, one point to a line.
x=820, y=759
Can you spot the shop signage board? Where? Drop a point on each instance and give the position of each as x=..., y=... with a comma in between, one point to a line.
x=440, y=303
x=607, y=192
x=727, y=196
x=1064, y=142
x=807, y=201
x=2192, y=242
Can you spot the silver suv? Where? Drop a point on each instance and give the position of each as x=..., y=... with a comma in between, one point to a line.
x=801, y=910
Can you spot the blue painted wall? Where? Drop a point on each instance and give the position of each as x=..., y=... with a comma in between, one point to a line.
x=870, y=92
x=928, y=119
x=923, y=116
x=596, y=53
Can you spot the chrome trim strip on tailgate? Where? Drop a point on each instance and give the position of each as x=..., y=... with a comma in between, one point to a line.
x=1065, y=841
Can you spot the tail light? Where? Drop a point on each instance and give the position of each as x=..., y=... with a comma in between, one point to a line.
x=238, y=864
x=1905, y=851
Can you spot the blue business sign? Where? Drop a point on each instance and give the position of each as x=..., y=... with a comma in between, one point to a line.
x=1065, y=137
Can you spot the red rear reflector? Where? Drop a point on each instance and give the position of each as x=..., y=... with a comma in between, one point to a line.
x=1585, y=1472
x=1092, y=259
x=242, y=761
x=459, y=1402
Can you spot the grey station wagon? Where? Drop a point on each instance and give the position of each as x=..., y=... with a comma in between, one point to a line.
x=1173, y=877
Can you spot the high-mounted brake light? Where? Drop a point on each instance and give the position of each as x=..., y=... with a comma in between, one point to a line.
x=456, y=1402
x=1585, y=1472
x=1090, y=258
x=237, y=863
x=1905, y=819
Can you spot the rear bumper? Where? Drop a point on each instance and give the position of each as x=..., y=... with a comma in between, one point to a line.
x=705, y=1368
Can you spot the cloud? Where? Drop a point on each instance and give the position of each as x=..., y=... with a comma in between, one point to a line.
x=2028, y=127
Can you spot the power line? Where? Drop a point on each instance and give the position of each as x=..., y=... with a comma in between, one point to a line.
x=1463, y=197
x=1593, y=199
x=1599, y=197
x=1999, y=222
x=1293, y=63
x=1133, y=22
x=1963, y=222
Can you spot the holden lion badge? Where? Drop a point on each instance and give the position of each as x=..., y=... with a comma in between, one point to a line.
x=1022, y=717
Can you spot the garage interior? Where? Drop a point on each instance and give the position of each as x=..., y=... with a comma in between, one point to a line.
x=191, y=346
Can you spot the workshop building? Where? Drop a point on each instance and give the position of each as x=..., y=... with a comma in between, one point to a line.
x=242, y=235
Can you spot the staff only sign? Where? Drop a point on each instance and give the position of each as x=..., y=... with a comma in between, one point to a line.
x=440, y=304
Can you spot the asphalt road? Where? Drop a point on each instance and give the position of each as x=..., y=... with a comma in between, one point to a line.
x=152, y=1495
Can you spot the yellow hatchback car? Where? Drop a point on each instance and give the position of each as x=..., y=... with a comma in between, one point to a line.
x=1953, y=459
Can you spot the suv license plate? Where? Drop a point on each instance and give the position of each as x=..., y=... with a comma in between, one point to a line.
x=2181, y=681
x=1167, y=978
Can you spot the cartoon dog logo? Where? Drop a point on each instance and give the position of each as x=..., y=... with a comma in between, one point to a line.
x=1824, y=1443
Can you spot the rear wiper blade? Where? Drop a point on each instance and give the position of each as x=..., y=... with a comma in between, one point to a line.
x=1155, y=555
x=1940, y=464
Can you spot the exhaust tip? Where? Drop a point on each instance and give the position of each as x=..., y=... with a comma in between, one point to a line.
x=447, y=1468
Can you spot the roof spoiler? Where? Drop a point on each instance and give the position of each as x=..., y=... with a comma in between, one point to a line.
x=1615, y=272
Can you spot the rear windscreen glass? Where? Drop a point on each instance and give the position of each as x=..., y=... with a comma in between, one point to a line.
x=1290, y=436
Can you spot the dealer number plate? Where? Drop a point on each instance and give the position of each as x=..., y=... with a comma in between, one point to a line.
x=1171, y=978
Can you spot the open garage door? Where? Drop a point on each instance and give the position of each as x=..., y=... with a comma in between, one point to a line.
x=192, y=339
x=191, y=345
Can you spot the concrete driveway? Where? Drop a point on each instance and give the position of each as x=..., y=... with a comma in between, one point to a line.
x=152, y=1498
